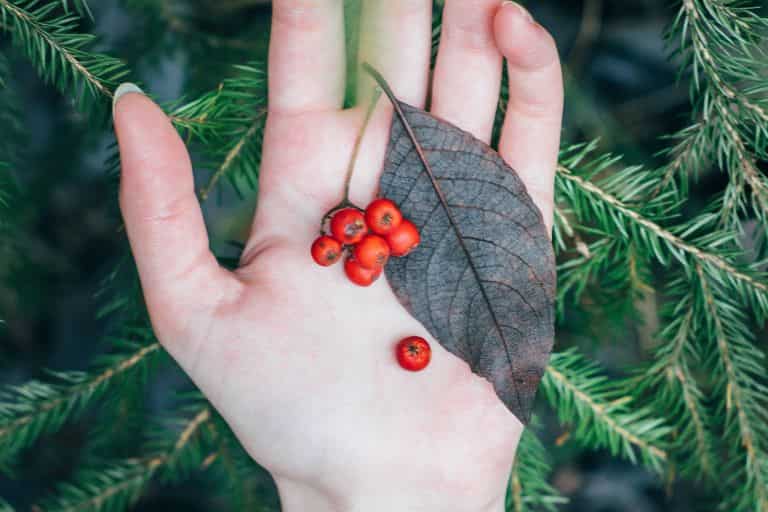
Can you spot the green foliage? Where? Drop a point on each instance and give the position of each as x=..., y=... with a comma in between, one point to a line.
x=36, y=408
x=176, y=451
x=5, y=506
x=59, y=52
x=694, y=408
x=529, y=490
x=720, y=47
x=602, y=414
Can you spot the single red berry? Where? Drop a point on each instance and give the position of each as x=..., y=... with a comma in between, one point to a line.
x=348, y=226
x=403, y=239
x=372, y=252
x=382, y=216
x=413, y=353
x=326, y=251
x=360, y=275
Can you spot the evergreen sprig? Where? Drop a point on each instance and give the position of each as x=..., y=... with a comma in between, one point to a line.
x=720, y=46
x=620, y=206
x=60, y=52
x=37, y=408
x=115, y=486
x=710, y=284
x=672, y=383
x=738, y=371
x=601, y=414
x=529, y=489
x=242, y=127
x=228, y=122
x=80, y=6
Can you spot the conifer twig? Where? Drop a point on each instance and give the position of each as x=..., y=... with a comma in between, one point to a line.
x=117, y=486
x=697, y=253
x=58, y=52
x=602, y=415
x=232, y=155
x=744, y=398
x=30, y=410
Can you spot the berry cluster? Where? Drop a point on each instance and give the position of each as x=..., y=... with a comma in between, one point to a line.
x=369, y=237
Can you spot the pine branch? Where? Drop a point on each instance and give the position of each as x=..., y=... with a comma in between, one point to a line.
x=719, y=42
x=601, y=415
x=37, y=408
x=58, y=51
x=116, y=486
x=233, y=155
x=200, y=118
x=529, y=490
x=229, y=123
x=673, y=388
x=606, y=203
x=80, y=6
x=739, y=373
x=242, y=128
x=689, y=152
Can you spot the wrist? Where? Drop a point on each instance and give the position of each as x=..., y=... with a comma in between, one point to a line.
x=300, y=497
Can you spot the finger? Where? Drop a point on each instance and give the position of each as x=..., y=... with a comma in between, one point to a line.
x=530, y=137
x=306, y=55
x=179, y=274
x=396, y=40
x=467, y=79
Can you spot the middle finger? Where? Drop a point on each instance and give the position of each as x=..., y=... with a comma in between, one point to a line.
x=396, y=40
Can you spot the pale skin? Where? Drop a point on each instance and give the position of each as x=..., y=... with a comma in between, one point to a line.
x=298, y=360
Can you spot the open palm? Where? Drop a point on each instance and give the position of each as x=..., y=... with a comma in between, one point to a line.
x=297, y=359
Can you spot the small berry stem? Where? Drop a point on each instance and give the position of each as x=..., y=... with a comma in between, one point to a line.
x=358, y=142
x=345, y=202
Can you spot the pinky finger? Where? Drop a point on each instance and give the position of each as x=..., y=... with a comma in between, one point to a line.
x=530, y=137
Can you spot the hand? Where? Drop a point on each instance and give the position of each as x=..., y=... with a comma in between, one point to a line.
x=298, y=360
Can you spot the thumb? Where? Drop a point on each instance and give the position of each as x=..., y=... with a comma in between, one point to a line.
x=180, y=277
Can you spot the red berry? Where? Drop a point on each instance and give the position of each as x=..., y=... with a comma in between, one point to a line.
x=360, y=275
x=413, y=353
x=372, y=252
x=348, y=226
x=403, y=239
x=326, y=251
x=382, y=216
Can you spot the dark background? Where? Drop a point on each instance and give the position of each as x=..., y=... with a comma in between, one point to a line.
x=621, y=87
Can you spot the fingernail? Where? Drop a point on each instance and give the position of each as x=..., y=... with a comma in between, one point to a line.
x=122, y=90
x=527, y=15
